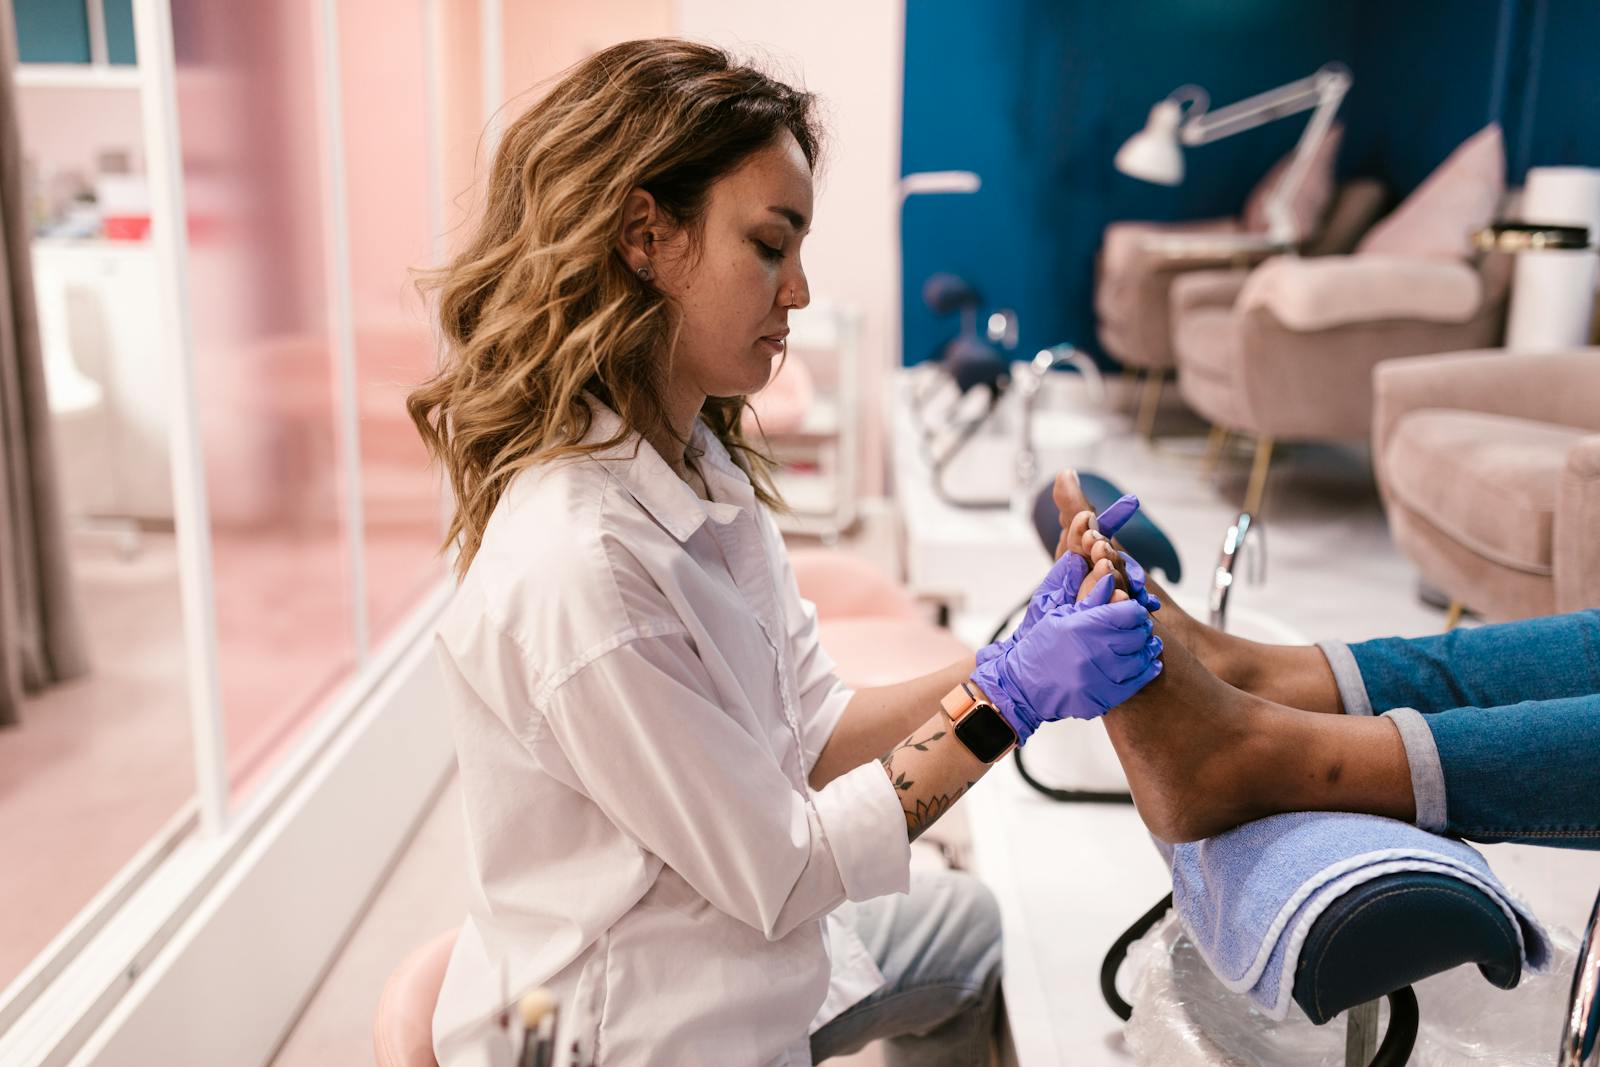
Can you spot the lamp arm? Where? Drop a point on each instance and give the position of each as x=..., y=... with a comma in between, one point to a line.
x=1280, y=223
x=1323, y=90
x=1262, y=108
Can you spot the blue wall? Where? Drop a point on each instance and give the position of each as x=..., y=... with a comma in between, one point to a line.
x=1036, y=96
x=51, y=31
x=57, y=31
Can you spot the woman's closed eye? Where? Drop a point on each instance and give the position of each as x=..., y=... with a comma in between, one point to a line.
x=767, y=251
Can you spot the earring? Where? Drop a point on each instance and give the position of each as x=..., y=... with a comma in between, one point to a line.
x=645, y=273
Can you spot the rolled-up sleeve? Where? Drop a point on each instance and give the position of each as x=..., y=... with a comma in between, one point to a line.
x=641, y=728
x=853, y=809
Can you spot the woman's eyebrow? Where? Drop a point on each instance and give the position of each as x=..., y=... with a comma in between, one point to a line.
x=793, y=217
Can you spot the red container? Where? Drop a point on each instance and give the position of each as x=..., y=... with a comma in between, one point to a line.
x=126, y=227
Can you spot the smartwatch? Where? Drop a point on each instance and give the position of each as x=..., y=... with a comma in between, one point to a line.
x=978, y=723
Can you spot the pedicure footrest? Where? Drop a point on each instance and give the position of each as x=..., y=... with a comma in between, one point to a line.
x=1375, y=941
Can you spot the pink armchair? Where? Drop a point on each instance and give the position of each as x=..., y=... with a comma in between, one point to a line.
x=1489, y=467
x=1285, y=351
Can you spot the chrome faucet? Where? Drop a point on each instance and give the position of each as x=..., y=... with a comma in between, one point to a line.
x=1233, y=546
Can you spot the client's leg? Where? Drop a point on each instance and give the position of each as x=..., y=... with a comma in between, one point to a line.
x=1202, y=756
x=1294, y=675
x=1500, y=723
x=1546, y=658
x=1522, y=772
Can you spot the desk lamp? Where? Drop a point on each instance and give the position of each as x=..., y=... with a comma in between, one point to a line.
x=1154, y=154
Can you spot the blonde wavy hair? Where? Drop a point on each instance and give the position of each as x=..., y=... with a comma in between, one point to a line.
x=539, y=307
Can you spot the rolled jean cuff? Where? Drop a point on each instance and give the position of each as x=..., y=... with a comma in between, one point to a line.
x=1427, y=773
x=1347, y=676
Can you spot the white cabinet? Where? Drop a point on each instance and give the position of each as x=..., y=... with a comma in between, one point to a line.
x=99, y=309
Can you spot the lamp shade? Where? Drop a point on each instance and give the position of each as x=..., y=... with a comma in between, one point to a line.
x=1153, y=154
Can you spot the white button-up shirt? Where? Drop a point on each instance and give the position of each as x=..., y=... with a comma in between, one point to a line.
x=638, y=696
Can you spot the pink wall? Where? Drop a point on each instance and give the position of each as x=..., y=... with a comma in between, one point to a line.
x=459, y=53
x=543, y=39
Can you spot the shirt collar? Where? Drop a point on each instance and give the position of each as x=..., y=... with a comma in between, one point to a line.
x=635, y=463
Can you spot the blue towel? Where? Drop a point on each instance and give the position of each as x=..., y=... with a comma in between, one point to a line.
x=1248, y=897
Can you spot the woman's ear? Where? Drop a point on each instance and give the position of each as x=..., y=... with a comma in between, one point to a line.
x=636, y=237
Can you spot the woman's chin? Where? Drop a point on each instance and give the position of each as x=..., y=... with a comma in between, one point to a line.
x=760, y=373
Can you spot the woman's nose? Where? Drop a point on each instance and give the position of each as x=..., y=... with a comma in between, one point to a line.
x=801, y=290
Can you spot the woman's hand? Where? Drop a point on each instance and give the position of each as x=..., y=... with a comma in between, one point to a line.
x=1061, y=583
x=1078, y=661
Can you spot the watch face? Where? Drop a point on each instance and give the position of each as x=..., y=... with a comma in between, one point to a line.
x=985, y=733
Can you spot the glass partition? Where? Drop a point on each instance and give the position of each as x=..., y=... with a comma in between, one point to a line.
x=95, y=768
x=386, y=110
x=264, y=363
x=324, y=145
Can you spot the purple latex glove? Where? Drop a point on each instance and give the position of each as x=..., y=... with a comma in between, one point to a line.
x=1136, y=589
x=1060, y=586
x=1116, y=515
x=1077, y=662
x=1061, y=583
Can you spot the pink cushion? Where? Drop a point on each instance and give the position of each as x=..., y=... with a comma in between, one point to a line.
x=1459, y=198
x=402, y=1031
x=846, y=587
x=1487, y=481
x=782, y=403
x=1322, y=292
x=1310, y=201
x=871, y=652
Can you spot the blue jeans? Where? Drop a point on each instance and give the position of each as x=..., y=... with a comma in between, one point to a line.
x=1501, y=724
x=939, y=950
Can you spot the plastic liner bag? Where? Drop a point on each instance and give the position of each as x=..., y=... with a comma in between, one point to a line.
x=1184, y=1017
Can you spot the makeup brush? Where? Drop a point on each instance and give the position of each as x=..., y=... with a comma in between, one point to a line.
x=535, y=1007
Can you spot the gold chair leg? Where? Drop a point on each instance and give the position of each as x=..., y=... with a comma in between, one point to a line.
x=1258, y=475
x=1136, y=385
x=1216, y=444
x=1452, y=617
x=1150, y=403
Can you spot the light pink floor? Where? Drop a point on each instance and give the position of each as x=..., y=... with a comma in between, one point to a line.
x=96, y=766
x=99, y=765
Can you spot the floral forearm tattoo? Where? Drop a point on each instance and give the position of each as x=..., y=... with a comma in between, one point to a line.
x=921, y=811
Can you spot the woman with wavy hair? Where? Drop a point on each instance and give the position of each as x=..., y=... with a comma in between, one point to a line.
x=680, y=822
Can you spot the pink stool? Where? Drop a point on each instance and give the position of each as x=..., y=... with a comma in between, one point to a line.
x=402, y=1031
x=844, y=587
x=870, y=652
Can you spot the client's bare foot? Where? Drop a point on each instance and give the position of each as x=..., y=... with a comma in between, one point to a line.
x=1187, y=742
x=1202, y=757
x=1211, y=646
x=1294, y=675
